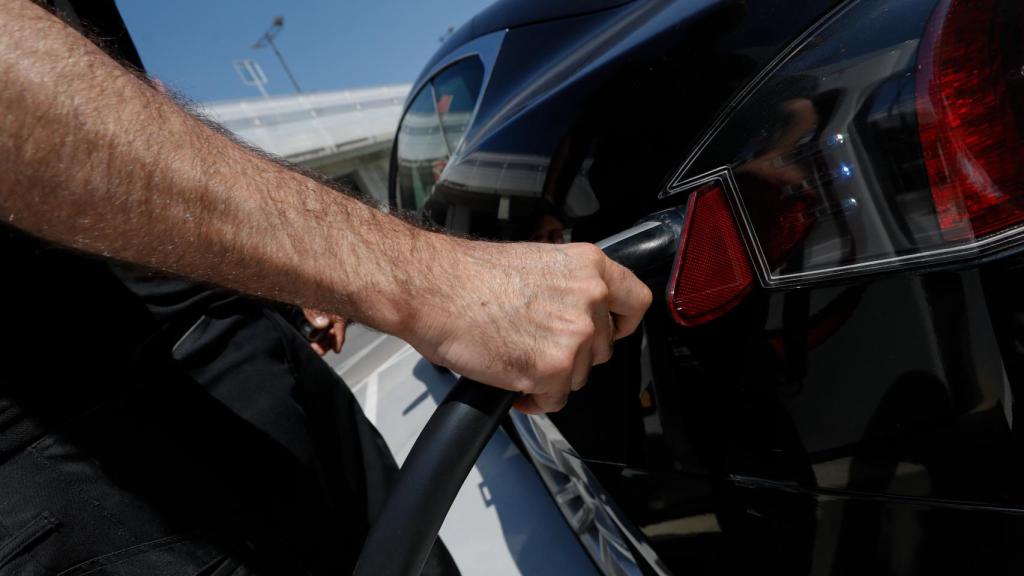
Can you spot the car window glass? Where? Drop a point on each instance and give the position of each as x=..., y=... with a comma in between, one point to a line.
x=456, y=91
x=433, y=128
x=422, y=152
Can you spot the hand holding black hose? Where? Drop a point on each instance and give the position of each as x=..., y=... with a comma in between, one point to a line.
x=455, y=435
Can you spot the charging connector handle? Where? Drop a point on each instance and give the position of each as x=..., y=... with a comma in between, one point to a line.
x=455, y=435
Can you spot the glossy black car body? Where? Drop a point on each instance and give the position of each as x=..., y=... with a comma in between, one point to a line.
x=855, y=423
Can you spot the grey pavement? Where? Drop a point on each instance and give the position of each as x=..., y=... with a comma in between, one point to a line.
x=503, y=522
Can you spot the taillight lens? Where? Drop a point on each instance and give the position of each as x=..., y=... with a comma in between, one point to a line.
x=712, y=271
x=968, y=118
x=889, y=136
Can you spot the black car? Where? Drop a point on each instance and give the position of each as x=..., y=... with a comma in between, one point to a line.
x=827, y=383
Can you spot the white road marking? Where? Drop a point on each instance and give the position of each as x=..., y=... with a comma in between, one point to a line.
x=398, y=357
x=370, y=409
x=361, y=354
x=391, y=361
x=503, y=518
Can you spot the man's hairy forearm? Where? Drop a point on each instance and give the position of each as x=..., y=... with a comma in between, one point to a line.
x=94, y=158
x=151, y=185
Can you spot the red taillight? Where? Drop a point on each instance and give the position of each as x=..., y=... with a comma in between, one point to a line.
x=969, y=134
x=712, y=272
x=890, y=136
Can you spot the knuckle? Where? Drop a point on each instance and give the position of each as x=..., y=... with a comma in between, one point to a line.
x=548, y=403
x=558, y=366
x=597, y=291
x=564, y=365
x=580, y=381
x=585, y=329
x=558, y=403
x=603, y=355
x=589, y=253
x=523, y=386
x=648, y=297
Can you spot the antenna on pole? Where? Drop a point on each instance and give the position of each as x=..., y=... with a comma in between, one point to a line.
x=267, y=39
x=252, y=75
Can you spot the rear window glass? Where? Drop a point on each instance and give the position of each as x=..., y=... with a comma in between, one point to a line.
x=433, y=129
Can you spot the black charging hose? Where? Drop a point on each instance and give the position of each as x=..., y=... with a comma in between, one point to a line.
x=455, y=435
x=431, y=477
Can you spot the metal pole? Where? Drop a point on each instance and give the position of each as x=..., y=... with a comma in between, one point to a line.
x=284, y=65
x=263, y=91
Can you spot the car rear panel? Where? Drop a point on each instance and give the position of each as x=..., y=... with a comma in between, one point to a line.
x=861, y=424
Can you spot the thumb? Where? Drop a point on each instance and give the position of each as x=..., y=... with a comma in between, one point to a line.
x=317, y=318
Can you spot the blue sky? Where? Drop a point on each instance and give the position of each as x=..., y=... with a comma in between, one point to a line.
x=328, y=44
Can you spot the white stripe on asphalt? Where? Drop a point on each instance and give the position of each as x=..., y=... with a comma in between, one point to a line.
x=361, y=354
x=371, y=398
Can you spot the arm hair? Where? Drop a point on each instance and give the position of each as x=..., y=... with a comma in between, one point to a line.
x=93, y=157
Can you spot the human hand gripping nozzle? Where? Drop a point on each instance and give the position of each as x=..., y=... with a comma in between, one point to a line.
x=455, y=435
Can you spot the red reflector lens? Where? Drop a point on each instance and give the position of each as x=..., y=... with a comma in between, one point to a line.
x=712, y=272
x=972, y=148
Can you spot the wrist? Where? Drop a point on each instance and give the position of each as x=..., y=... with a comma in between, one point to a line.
x=421, y=283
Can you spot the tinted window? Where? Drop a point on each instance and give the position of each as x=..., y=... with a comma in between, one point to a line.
x=422, y=152
x=456, y=90
x=433, y=128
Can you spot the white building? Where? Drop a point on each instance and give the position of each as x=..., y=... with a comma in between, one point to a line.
x=344, y=134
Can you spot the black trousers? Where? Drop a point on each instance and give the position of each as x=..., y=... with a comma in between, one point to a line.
x=233, y=449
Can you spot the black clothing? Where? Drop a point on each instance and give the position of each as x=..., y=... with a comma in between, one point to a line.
x=156, y=427
x=207, y=440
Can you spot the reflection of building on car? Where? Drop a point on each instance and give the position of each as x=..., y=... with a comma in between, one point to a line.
x=828, y=386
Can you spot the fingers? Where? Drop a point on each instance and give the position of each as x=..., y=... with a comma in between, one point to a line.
x=556, y=313
x=338, y=334
x=617, y=313
x=527, y=405
x=581, y=367
x=334, y=336
x=541, y=403
x=604, y=336
x=317, y=318
x=628, y=298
